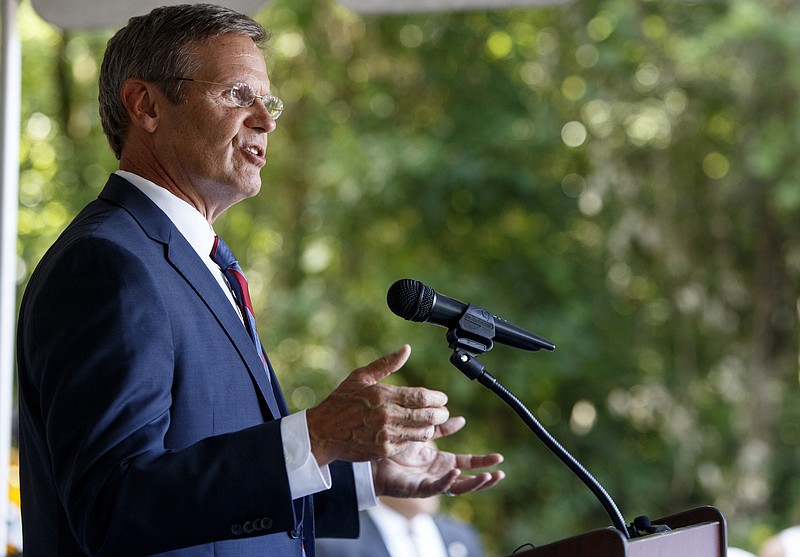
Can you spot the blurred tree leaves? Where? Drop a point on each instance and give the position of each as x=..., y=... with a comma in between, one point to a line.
x=616, y=176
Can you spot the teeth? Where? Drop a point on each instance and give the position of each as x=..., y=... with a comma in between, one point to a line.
x=253, y=150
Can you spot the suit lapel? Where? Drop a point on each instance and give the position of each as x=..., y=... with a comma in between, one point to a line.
x=182, y=257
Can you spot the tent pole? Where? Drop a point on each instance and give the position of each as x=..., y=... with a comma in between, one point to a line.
x=9, y=196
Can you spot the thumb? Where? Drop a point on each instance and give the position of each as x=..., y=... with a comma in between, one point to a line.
x=383, y=367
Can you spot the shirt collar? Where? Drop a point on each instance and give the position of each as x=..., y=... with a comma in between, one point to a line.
x=187, y=219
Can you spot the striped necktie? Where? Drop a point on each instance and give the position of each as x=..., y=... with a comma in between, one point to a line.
x=222, y=256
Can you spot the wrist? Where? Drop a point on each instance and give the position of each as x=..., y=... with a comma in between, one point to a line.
x=319, y=448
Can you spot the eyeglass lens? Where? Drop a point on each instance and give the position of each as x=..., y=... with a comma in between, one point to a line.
x=243, y=95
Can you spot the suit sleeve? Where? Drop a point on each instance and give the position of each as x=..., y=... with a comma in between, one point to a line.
x=336, y=509
x=98, y=373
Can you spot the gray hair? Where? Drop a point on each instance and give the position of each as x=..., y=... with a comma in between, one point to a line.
x=158, y=47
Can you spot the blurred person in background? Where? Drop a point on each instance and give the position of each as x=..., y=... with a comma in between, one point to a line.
x=14, y=519
x=407, y=528
x=785, y=543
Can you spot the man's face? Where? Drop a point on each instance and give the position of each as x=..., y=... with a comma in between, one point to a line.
x=211, y=149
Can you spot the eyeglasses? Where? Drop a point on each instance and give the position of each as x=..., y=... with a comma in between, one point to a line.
x=244, y=96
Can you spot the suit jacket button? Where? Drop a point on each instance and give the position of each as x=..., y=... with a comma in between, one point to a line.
x=248, y=527
x=236, y=529
x=266, y=523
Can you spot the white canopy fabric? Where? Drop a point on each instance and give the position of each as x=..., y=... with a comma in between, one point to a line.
x=104, y=14
x=111, y=14
x=99, y=14
x=419, y=6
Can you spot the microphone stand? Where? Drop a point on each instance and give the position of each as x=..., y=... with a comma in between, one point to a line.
x=467, y=346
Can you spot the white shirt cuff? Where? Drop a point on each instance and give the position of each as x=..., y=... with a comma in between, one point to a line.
x=306, y=477
x=365, y=489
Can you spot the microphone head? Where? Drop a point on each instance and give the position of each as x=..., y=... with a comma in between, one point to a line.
x=411, y=300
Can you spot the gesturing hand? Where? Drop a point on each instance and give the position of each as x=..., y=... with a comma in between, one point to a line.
x=364, y=420
x=422, y=471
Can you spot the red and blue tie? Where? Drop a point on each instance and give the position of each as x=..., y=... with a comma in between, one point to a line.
x=223, y=256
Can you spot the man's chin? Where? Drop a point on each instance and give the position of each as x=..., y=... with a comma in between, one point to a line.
x=253, y=190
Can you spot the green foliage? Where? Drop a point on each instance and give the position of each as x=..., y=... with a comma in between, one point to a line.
x=617, y=176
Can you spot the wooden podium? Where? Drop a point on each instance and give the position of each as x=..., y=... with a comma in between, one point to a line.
x=696, y=533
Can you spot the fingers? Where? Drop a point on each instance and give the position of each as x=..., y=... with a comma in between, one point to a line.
x=461, y=484
x=455, y=483
x=363, y=419
x=473, y=462
x=424, y=417
x=444, y=483
x=407, y=425
x=423, y=471
x=383, y=367
x=449, y=427
x=480, y=482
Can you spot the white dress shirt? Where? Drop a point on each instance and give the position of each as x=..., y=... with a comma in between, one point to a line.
x=305, y=475
x=790, y=539
x=417, y=537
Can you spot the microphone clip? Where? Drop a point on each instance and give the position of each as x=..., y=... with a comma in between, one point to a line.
x=471, y=337
x=468, y=364
x=473, y=332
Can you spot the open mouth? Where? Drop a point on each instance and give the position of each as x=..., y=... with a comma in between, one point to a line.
x=256, y=154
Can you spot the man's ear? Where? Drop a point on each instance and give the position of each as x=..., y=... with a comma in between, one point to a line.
x=142, y=99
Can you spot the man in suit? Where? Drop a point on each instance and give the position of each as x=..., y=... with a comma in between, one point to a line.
x=151, y=421
x=406, y=528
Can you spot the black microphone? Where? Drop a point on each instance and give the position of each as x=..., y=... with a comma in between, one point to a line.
x=414, y=301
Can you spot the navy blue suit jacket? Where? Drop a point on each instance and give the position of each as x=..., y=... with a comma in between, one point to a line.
x=147, y=424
